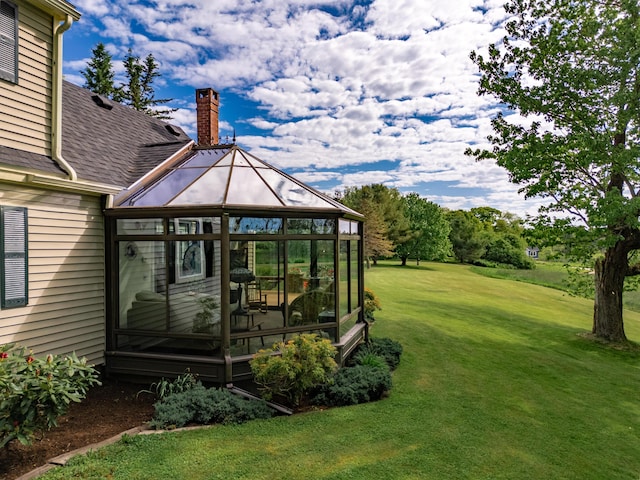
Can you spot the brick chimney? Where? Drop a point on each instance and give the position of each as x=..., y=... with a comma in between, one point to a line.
x=207, y=102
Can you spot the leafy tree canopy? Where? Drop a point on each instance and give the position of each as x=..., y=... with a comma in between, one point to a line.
x=429, y=238
x=468, y=240
x=385, y=224
x=572, y=67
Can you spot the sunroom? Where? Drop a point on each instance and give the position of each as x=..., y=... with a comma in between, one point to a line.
x=220, y=255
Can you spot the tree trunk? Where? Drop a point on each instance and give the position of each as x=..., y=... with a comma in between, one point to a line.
x=403, y=261
x=609, y=275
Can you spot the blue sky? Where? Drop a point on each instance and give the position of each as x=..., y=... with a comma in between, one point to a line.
x=338, y=93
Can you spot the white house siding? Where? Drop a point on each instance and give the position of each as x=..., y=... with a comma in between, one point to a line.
x=25, y=108
x=66, y=309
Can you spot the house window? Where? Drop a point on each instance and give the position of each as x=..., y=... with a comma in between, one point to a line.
x=8, y=41
x=13, y=255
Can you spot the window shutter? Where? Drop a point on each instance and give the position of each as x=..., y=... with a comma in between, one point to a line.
x=13, y=252
x=8, y=41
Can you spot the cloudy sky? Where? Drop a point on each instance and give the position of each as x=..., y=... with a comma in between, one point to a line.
x=337, y=93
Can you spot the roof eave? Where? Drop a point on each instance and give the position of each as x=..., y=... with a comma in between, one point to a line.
x=58, y=8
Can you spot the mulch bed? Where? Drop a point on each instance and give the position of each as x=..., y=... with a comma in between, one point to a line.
x=108, y=410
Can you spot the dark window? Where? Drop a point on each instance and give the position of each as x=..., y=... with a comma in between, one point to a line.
x=13, y=253
x=8, y=42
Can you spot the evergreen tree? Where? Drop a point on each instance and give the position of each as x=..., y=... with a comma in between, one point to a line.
x=139, y=92
x=99, y=72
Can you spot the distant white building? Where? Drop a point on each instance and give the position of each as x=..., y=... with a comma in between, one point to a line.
x=533, y=252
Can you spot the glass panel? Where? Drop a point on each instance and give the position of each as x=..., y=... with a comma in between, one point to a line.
x=247, y=188
x=186, y=226
x=161, y=192
x=308, y=225
x=347, y=325
x=293, y=194
x=194, y=225
x=139, y=226
x=142, y=278
x=249, y=160
x=211, y=224
x=208, y=190
x=345, y=226
x=310, y=282
x=299, y=225
x=240, y=161
x=194, y=297
x=205, y=158
x=324, y=225
x=257, y=293
x=354, y=274
x=193, y=261
x=255, y=225
x=267, y=262
x=344, y=278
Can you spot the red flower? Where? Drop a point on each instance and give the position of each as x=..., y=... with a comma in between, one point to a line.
x=4, y=355
x=30, y=359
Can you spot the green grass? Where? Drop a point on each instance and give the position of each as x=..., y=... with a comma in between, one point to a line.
x=550, y=274
x=496, y=382
x=547, y=274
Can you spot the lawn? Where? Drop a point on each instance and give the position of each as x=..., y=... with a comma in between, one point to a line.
x=496, y=382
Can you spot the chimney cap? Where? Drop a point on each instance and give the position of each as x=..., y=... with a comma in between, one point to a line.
x=206, y=93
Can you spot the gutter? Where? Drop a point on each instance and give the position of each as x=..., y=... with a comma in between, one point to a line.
x=56, y=107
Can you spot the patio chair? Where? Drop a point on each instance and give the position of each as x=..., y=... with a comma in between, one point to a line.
x=306, y=308
x=255, y=298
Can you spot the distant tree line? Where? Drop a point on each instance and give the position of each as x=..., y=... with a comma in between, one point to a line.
x=410, y=227
x=137, y=91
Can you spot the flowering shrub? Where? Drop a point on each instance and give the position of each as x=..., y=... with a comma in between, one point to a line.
x=371, y=304
x=291, y=369
x=34, y=392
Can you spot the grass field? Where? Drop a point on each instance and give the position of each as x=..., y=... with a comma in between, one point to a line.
x=553, y=275
x=496, y=382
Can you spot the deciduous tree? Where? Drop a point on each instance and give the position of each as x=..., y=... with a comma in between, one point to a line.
x=385, y=224
x=573, y=67
x=467, y=236
x=429, y=229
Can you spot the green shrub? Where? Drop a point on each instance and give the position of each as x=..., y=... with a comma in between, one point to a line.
x=291, y=369
x=206, y=406
x=353, y=385
x=365, y=356
x=386, y=348
x=165, y=387
x=371, y=304
x=34, y=392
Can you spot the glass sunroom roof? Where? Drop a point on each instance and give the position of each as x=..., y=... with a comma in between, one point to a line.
x=227, y=176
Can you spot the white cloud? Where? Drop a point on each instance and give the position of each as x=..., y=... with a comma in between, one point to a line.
x=337, y=91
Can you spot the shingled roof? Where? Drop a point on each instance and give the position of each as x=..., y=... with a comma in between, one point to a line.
x=104, y=141
x=32, y=161
x=110, y=143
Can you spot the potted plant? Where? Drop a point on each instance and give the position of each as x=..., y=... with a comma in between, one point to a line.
x=204, y=320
